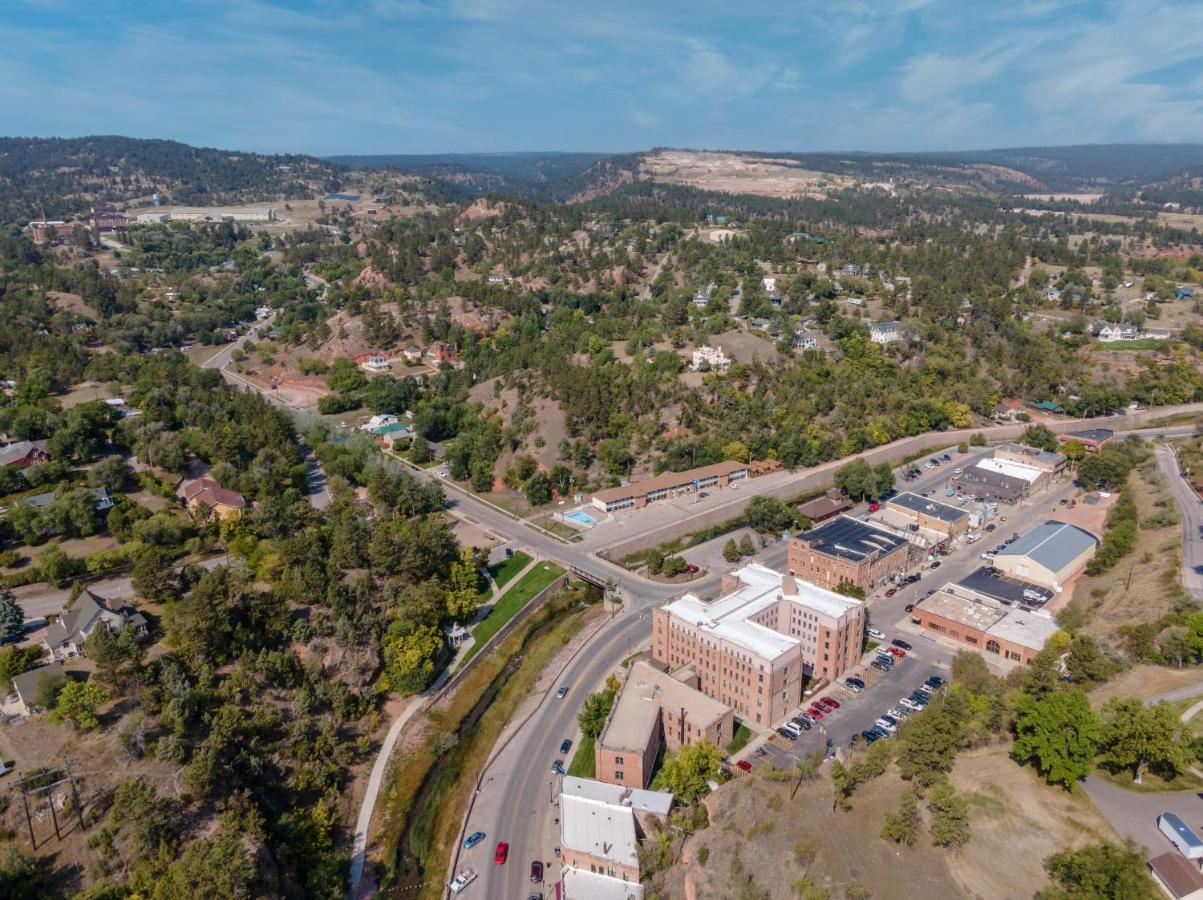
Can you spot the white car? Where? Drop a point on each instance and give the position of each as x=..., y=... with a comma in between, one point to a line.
x=462, y=880
x=908, y=703
x=886, y=725
x=792, y=729
x=875, y=634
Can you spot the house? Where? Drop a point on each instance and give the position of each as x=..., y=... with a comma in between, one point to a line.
x=770, y=283
x=499, y=279
x=392, y=434
x=828, y=506
x=805, y=340
x=702, y=297
x=1093, y=439
x=40, y=501
x=711, y=357
x=65, y=638
x=28, y=685
x=885, y=332
x=1177, y=876
x=412, y=354
x=375, y=364
x=1052, y=294
x=23, y=454
x=760, y=324
x=851, y=269
x=1185, y=293
x=1048, y=555
x=1008, y=411
x=378, y=421
x=1111, y=333
x=656, y=710
x=205, y=492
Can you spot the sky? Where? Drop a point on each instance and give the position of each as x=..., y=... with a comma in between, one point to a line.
x=426, y=76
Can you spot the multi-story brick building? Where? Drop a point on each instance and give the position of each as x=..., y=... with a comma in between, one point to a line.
x=847, y=550
x=752, y=648
x=652, y=710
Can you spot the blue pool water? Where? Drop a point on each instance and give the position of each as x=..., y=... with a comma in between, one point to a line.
x=581, y=517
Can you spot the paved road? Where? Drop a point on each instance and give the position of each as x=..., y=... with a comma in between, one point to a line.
x=1134, y=814
x=1192, y=520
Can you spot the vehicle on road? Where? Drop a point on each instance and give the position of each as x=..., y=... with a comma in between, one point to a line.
x=900, y=643
x=744, y=766
x=473, y=839
x=988, y=556
x=991, y=527
x=890, y=592
x=566, y=746
x=501, y=854
x=910, y=607
x=875, y=634
x=462, y=880
x=936, y=564
x=562, y=692
x=557, y=767
x=536, y=872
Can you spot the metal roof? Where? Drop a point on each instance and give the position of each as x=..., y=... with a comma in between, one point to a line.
x=936, y=509
x=1053, y=545
x=851, y=539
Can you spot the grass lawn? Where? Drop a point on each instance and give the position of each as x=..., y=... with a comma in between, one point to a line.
x=1150, y=784
x=502, y=572
x=511, y=601
x=740, y=739
x=582, y=765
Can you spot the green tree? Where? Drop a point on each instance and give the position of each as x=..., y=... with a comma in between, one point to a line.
x=409, y=657
x=769, y=515
x=153, y=576
x=950, y=816
x=1137, y=737
x=419, y=451
x=209, y=869
x=538, y=489
x=1086, y=663
x=77, y=703
x=1099, y=872
x=19, y=879
x=464, y=587
x=902, y=825
x=687, y=771
x=1059, y=734
x=344, y=376
x=15, y=660
x=594, y=712
x=1039, y=436
x=112, y=473
x=117, y=656
x=731, y=551
x=736, y=450
x=12, y=619
x=745, y=546
x=884, y=478
x=858, y=480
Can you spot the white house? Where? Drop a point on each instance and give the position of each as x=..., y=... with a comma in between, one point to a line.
x=1109, y=334
x=712, y=356
x=804, y=340
x=375, y=365
x=769, y=282
x=885, y=332
x=378, y=421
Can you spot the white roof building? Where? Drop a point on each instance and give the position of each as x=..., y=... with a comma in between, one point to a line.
x=1030, y=474
x=885, y=332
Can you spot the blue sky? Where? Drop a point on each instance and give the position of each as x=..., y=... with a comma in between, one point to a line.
x=416, y=76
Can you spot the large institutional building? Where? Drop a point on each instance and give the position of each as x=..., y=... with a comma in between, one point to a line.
x=750, y=649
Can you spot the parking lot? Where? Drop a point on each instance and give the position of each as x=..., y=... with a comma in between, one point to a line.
x=858, y=712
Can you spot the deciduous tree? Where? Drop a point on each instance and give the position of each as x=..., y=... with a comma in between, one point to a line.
x=1059, y=734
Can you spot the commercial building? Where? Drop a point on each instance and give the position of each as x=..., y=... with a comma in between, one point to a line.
x=109, y=218
x=1045, y=460
x=1049, y=554
x=984, y=623
x=826, y=507
x=751, y=648
x=653, y=710
x=999, y=479
x=930, y=515
x=847, y=550
x=639, y=494
x=1092, y=439
x=222, y=214
x=601, y=826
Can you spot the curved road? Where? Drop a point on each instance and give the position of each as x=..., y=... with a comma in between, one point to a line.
x=1192, y=520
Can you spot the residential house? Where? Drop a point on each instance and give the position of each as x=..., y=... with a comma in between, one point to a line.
x=66, y=636
x=1158, y=334
x=375, y=365
x=28, y=685
x=378, y=421
x=769, y=282
x=805, y=340
x=1111, y=333
x=713, y=357
x=101, y=496
x=205, y=492
x=23, y=454
x=412, y=354
x=885, y=332
x=702, y=297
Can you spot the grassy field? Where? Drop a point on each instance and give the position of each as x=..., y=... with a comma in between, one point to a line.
x=502, y=572
x=740, y=739
x=583, y=760
x=435, y=827
x=1142, y=344
x=511, y=601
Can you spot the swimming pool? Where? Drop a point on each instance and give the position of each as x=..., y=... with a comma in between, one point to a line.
x=580, y=517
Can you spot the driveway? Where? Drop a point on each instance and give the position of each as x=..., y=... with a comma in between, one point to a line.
x=1134, y=814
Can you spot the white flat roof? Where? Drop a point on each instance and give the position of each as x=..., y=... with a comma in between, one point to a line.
x=658, y=802
x=727, y=617
x=582, y=885
x=1028, y=629
x=1014, y=469
x=604, y=830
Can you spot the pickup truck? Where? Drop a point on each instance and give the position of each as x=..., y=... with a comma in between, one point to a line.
x=462, y=880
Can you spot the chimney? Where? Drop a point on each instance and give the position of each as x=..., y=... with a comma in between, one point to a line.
x=789, y=587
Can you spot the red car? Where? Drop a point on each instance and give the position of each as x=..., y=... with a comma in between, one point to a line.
x=815, y=712
x=898, y=652
x=874, y=506
x=831, y=704
x=890, y=592
x=536, y=872
x=500, y=854
x=744, y=766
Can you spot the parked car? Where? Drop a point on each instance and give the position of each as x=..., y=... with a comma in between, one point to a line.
x=889, y=720
x=792, y=729
x=879, y=665
x=908, y=703
x=870, y=736
x=501, y=853
x=833, y=703
x=886, y=726
x=802, y=723
x=946, y=458
x=897, y=652
x=879, y=731
x=899, y=713
x=788, y=735
x=473, y=839
x=936, y=564
x=565, y=746
x=557, y=767
x=875, y=634
x=562, y=692
x=536, y=872
x=936, y=681
x=854, y=684
x=890, y=592
x=910, y=607
x=900, y=643
x=814, y=712
x=744, y=766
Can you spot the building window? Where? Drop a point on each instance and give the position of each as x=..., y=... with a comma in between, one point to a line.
x=618, y=760
x=618, y=775
x=992, y=646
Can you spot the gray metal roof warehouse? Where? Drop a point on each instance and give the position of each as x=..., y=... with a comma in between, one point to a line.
x=1053, y=545
x=852, y=539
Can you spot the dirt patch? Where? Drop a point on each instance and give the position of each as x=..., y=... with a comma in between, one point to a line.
x=745, y=348
x=86, y=392
x=734, y=173
x=1016, y=820
x=1145, y=682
